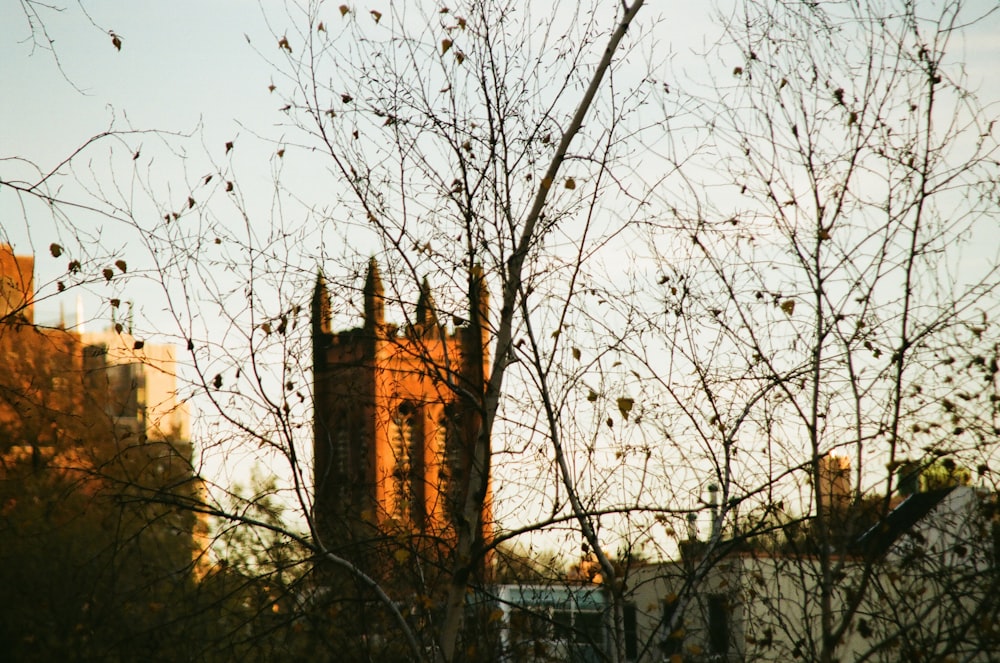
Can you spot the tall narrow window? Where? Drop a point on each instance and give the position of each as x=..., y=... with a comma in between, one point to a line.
x=405, y=440
x=718, y=624
x=673, y=628
x=631, y=635
x=450, y=449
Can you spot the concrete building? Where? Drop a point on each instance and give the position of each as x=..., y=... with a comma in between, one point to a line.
x=919, y=585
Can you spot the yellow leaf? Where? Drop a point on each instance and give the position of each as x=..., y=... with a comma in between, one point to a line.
x=445, y=45
x=401, y=555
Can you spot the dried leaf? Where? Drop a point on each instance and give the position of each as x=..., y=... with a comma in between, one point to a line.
x=55, y=250
x=60, y=286
x=461, y=22
x=190, y=202
x=570, y=183
x=116, y=41
x=229, y=143
x=115, y=303
x=283, y=43
x=459, y=57
x=344, y=9
x=788, y=306
x=108, y=273
x=321, y=27
x=217, y=381
x=229, y=186
x=625, y=406
x=445, y=46
x=346, y=98
x=120, y=264
x=377, y=15
x=138, y=345
x=576, y=354
x=208, y=178
x=281, y=153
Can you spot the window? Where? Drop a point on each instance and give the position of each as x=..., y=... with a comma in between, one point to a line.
x=673, y=636
x=406, y=444
x=631, y=637
x=718, y=624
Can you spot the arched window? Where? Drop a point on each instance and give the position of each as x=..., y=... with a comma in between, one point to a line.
x=406, y=446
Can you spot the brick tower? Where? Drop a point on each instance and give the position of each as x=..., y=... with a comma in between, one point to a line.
x=396, y=415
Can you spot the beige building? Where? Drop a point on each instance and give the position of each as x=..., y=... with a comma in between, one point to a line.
x=142, y=384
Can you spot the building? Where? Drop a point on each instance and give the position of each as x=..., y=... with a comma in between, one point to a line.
x=97, y=409
x=921, y=584
x=554, y=622
x=141, y=383
x=42, y=398
x=396, y=417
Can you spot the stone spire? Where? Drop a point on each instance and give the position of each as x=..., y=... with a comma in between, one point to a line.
x=321, y=313
x=374, y=297
x=426, y=312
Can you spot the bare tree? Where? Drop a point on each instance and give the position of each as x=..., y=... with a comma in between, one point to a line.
x=833, y=305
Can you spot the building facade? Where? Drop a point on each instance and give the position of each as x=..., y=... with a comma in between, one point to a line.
x=396, y=415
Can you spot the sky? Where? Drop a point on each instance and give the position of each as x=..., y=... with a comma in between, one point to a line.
x=200, y=68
